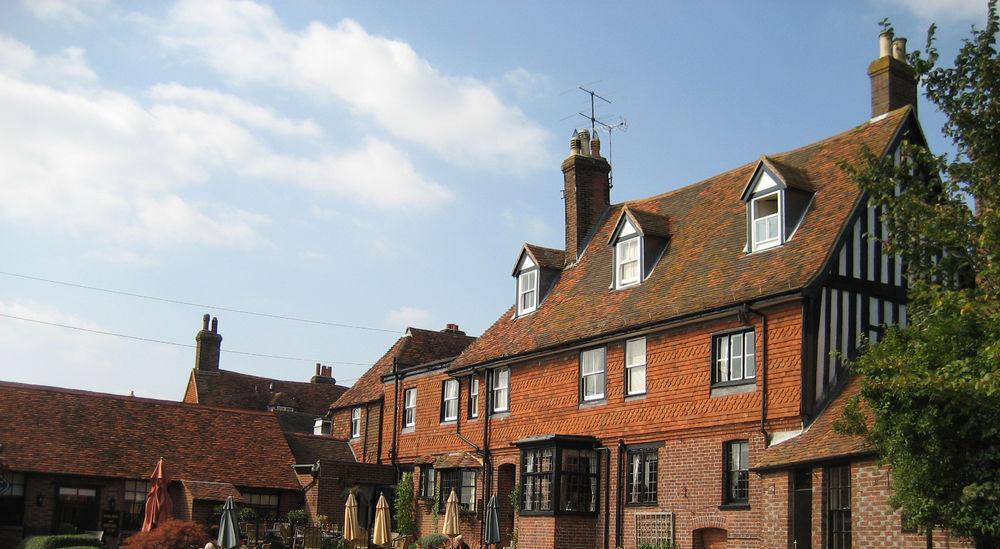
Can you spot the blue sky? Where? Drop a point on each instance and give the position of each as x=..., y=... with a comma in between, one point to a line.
x=376, y=164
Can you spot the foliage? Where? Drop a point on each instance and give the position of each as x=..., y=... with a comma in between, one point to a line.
x=335, y=544
x=515, y=499
x=248, y=514
x=172, y=534
x=59, y=541
x=406, y=523
x=322, y=519
x=298, y=517
x=433, y=541
x=66, y=529
x=933, y=387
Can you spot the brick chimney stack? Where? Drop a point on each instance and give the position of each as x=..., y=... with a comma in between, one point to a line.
x=451, y=328
x=587, y=190
x=209, y=346
x=894, y=82
x=324, y=374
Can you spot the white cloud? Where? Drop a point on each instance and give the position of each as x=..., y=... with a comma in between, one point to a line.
x=68, y=12
x=90, y=161
x=527, y=223
x=407, y=317
x=235, y=108
x=936, y=10
x=459, y=118
x=525, y=83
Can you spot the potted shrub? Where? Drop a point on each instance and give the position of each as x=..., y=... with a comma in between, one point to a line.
x=406, y=524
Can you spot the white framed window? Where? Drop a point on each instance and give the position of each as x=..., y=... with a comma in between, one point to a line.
x=473, y=397
x=592, y=373
x=734, y=357
x=627, y=264
x=635, y=366
x=765, y=225
x=449, y=400
x=527, y=291
x=356, y=422
x=501, y=390
x=409, y=408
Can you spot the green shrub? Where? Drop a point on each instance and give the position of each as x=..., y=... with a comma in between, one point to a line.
x=405, y=506
x=298, y=517
x=433, y=541
x=248, y=514
x=59, y=542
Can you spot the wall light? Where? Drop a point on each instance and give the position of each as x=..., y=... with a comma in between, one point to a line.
x=40, y=500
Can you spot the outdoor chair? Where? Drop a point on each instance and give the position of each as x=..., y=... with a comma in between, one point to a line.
x=312, y=538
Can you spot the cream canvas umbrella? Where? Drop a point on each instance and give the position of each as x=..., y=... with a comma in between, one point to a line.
x=451, y=516
x=381, y=535
x=352, y=530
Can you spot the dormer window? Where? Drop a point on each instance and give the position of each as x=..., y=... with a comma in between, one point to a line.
x=527, y=291
x=777, y=198
x=766, y=212
x=638, y=241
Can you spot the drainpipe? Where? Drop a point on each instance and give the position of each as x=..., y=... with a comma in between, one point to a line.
x=607, y=494
x=394, y=450
x=487, y=465
x=364, y=442
x=763, y=370
x=618, y=494
x=381, y=428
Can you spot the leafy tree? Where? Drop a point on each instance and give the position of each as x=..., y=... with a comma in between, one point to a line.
x=405, y=506
x=172, y=534
x=933, y=387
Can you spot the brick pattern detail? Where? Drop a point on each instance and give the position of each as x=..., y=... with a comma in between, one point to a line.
x=894, y=85
x=587, y=194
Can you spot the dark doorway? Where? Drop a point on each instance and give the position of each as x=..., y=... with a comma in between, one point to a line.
x=802, y=509
x=710, y=538
x=77, y=506
x=505, y=511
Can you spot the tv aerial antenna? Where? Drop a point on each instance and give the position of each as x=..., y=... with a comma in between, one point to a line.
x=609, y=125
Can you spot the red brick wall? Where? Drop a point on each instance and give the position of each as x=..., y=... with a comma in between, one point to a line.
x=430, y=435
x=776, y=509
x=365, y=448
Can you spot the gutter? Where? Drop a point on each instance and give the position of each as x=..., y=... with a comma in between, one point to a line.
x=639, y=330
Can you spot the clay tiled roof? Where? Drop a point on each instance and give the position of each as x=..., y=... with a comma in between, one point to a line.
x=211, y=491
x=413, y=349
x=547, y=258
x=819, y=442
x=651, y=224
x=313, y=448
x=62, y=431
x=705, y=265
x=235, y=390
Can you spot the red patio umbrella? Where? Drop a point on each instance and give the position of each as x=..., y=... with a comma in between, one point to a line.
x=158, y=504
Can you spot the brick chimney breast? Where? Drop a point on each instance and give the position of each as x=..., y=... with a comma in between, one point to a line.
x=894, y=82
x=586, y=190
x=208, y=346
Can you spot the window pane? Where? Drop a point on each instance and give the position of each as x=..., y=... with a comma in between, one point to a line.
x=772, y=227
x=722, y=359
x=635, y=351
x=749, y=365
x=637, y=379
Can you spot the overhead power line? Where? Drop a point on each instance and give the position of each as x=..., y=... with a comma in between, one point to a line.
x=176, y=343
x=199, y=305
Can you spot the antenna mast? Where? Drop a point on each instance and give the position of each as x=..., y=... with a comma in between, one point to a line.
x=622, y=125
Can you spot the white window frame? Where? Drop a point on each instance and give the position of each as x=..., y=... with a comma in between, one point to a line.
x=620, y=261
x=756, y=245
x=601, y=375
x=725, y=358
x=523, y=291
x=473, y=397
x=449, y=400
x=356, y=422
x=500, y=389
x=630, y=366
x=410, y=408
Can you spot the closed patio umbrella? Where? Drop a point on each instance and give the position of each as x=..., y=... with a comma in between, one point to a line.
x=158, y=504
x=229, y=537
x=451, y=516
x=492, y=526
x=352, y=530
x=382, y=535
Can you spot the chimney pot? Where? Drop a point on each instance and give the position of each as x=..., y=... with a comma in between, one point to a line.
x=585, y=142
x=208, y=346
x=899, y=49
x=884, y=44
x=319, y=368
x=215, y=325
x=574, y=144
x=204, y=322
x=595, y=146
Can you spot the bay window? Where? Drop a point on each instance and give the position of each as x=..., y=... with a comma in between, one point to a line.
x=559, y=478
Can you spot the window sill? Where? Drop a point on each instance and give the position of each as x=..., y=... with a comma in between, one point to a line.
x=636, y=396
x=449, y=421
x=646, y=504
x=472, y=419
x=500, y=415
x=730, y=388
x=597, y=402
x=406, y=430
x=734, y=507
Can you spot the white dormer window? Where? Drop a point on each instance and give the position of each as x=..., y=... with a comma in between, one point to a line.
x=527, y=286
x=628, y=256
x=766, y=221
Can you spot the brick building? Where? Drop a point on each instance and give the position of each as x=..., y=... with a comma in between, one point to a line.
x=300, y=406
x=73, y=456
x=673, y=372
